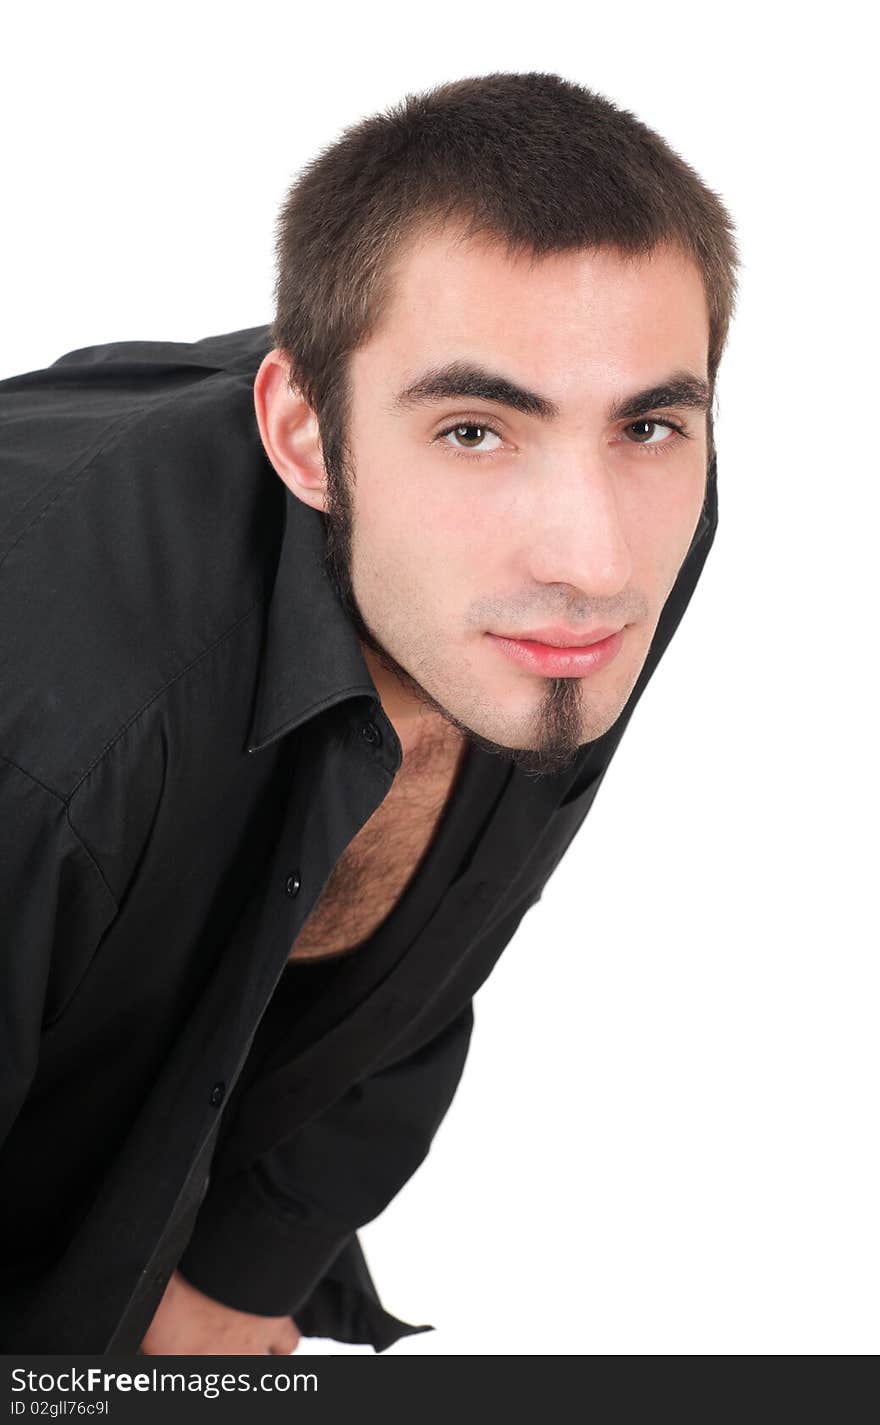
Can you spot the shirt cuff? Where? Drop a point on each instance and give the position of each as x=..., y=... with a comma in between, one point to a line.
x=248, y=1257
x=244, y=1256
x=345, y=1306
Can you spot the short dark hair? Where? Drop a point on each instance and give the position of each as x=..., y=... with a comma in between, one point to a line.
x=541, y=163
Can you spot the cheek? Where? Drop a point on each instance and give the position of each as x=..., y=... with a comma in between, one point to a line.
x=405, y=548
x=385, y=509
x=426, y=519
x=663, y=516
x=688, y=511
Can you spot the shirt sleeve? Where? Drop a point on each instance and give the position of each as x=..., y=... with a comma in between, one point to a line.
x=265, y=1236
x=54, y=907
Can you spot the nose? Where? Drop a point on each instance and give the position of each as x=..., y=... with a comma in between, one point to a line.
x=577, y=534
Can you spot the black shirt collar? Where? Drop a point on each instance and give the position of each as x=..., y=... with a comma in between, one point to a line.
x=311, y=657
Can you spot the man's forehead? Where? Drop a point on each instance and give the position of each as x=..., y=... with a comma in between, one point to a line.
x=434, y=259
x=548, y=320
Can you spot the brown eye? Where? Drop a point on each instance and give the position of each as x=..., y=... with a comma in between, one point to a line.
x=470, y=435
x=643, y=428
x=644, y=431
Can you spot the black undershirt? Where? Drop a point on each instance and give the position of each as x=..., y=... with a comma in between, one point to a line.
x=312, y=995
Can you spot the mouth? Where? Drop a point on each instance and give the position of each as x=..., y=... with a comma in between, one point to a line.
x=561, y=637
x=550, y=653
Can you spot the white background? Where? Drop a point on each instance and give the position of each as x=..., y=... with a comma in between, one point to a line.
x=665, y=1140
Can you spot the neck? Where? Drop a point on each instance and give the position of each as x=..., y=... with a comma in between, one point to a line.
x=423, y=732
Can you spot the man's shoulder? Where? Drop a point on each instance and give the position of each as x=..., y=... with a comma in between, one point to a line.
x=138, y=521
x=139, y=362
x=240, y=351
x=118, y=401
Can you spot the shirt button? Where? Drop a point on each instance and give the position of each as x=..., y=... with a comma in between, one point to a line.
x=371, y=734
x=292, y=885
x=217, y=1094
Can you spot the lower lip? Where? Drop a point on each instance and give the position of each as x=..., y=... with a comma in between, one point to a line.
x=560, y=662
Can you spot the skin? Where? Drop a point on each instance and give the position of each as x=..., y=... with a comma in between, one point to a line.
x=576, y=520
x=437, y=540
x=188, y=1323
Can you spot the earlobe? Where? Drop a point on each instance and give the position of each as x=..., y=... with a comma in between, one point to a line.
x=289, y=431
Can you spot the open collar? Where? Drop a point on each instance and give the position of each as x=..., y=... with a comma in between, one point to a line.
x=311, y=657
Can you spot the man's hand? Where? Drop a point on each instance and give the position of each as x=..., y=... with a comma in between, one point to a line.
x=188, y=1323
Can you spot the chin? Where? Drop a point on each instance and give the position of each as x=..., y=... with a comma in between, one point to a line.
x=599, y=727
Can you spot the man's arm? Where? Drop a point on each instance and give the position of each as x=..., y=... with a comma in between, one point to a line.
x=266, y=1235
x=54, y=908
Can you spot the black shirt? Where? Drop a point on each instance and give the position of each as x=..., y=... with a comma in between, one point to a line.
x=189, y=738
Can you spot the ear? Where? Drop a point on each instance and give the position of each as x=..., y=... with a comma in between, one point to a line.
x=289, y=431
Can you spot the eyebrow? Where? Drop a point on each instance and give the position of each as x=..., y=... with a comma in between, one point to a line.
x=461, y=379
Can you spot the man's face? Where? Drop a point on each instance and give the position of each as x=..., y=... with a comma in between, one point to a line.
x=494, y=490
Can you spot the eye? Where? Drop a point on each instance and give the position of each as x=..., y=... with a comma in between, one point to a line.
x=470, y=435
x=653, y=426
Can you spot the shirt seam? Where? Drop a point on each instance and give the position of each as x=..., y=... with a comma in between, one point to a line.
x=160, y=692
x=64, y=802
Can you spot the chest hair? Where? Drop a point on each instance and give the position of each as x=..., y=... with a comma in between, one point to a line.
x=383, y=858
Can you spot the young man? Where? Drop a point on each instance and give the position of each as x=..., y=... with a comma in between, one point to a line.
x=317, y=643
